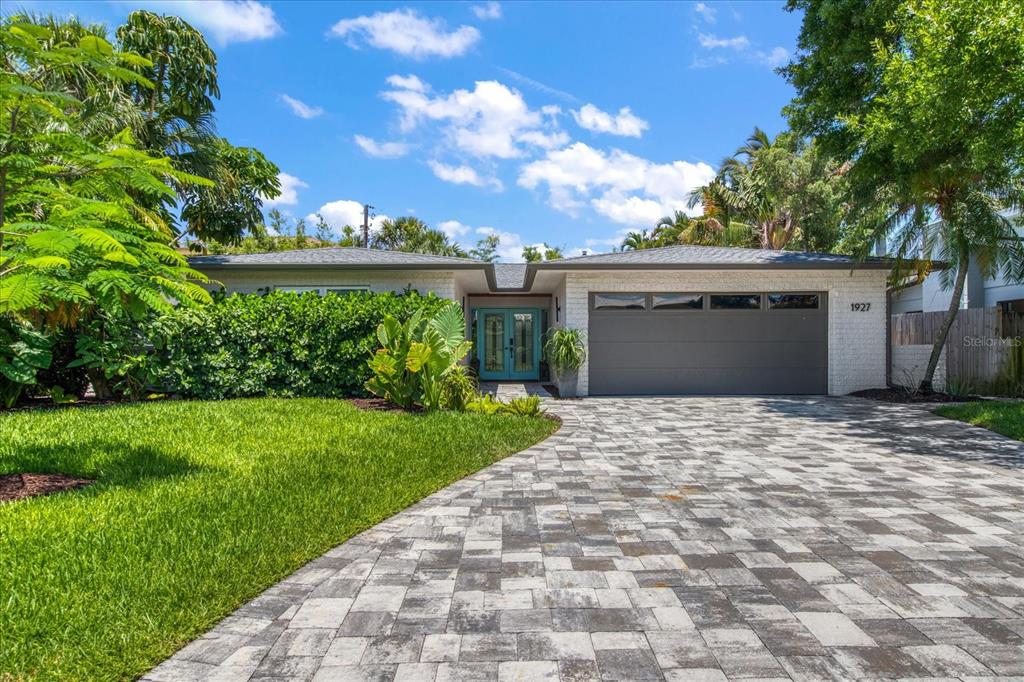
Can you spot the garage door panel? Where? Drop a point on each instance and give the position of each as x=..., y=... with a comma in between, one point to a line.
x=696, y=354
x=718, y=381
x=709, y=352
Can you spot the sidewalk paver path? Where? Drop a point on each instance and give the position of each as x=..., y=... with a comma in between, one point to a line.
x=672, y=539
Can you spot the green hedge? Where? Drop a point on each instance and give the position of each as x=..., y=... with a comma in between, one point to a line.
x=281, y=344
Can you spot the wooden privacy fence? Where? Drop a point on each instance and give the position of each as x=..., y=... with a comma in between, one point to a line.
x=983, y=349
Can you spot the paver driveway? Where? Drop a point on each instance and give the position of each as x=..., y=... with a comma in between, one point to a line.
x=675, y=538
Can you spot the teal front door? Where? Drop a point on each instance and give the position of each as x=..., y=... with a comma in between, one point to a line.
x=508, y=343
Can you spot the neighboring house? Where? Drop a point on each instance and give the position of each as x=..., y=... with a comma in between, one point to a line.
x=672, y=320
x=929, y=295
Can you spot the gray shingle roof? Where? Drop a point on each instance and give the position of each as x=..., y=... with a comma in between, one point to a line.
x=509, y=275
x=715, y=257
x=338, y=255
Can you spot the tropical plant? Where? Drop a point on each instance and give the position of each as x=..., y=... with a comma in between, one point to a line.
x=77, y=229
x=412, y=235
x=781, y=190
x=485, y=403
x=458, y=388
x=176, y=100
x=635, y=241
x=523, y=406
x=534, y=253
x=923, y=103
x=566, y=349
x=416, y=356
x=24, y=352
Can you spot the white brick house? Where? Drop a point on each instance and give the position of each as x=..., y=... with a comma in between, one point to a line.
x=674, y=320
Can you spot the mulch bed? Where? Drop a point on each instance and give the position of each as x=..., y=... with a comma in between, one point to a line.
x=896, y=395
x=378, y=405
x=22, y=486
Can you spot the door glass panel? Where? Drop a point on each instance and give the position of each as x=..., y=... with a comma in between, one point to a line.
x=522, y=332
x=797, y=301
x=494, y=342
x=677, y=302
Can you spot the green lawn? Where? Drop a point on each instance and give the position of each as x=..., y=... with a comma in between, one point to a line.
x=198, y=507
x=1003, y=417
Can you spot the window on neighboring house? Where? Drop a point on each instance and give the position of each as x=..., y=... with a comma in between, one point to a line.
x=620, y=301
x=677, y=302
x=793, y=301
x=735, y=301
x=335, y=289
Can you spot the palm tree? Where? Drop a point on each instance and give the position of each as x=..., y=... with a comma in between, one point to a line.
x=636, y=241
x=780, y=187
x=412, y=235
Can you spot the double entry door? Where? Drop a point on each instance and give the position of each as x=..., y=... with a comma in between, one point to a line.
x=508, y=343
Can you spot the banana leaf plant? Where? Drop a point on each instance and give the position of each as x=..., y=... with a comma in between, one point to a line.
x=415, y=356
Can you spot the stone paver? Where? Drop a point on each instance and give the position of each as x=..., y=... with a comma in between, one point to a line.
x=672, y=539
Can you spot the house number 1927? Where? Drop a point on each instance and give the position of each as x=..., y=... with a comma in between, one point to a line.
x=860, y=307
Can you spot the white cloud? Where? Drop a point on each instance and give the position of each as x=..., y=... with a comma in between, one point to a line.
x=226, y=21
x=624, y=123
x=618, y=185
x=488, y=10
x=463, y=175
x=290, y=186
x=381, y=150
x=706, y=12
x=409, y=82
x=736, y=49
x=510, y=244
x=344, y=212
x=711, y=42
x=408, y=33
x=777, y=56
x=453, y=228
x=492, y=120
x=300, y=108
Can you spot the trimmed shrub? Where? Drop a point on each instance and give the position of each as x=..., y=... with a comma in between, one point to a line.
x=282, y=344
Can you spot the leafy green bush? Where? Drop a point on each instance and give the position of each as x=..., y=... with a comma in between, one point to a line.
x=416, y=356
x=484, y=403
x=458, y=387
x=24, y=352
x=523, y=406
x=282, y=344
x=566, y=349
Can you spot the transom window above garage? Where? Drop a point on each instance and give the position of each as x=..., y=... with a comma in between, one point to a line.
x=620, y=301
x=794, y=301
x=705, y=301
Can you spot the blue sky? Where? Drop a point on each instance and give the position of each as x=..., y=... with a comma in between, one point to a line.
x=566, y=123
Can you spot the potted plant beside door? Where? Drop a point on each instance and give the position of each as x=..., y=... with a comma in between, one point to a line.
x=566, y=349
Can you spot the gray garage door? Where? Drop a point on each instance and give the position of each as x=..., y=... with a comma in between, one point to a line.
x=742, y=343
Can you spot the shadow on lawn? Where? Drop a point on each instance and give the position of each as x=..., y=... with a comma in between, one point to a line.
x=904, y=429
x=109, y=463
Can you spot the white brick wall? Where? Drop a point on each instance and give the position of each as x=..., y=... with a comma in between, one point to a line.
x=856, y=340
x=249, y=281
x=909, y=363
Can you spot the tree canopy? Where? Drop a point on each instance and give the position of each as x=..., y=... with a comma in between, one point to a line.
x=923, y=103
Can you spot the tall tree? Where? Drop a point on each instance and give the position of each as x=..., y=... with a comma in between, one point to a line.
x=486, y=249
x=176, y=103
x=782, y=188
x=925, y=101
x=411, y=234
x=533, y=253
x=78, y=235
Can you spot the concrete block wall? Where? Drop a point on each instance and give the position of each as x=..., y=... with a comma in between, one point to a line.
x=856, y=338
